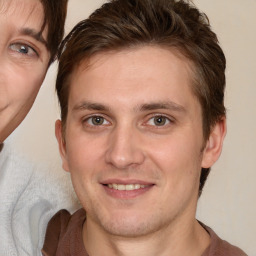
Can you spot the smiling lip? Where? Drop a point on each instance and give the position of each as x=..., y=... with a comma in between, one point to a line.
x=126, y=189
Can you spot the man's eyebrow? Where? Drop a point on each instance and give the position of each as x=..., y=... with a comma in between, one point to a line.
x=86, y=105
x=37, y=35
x=169, y=105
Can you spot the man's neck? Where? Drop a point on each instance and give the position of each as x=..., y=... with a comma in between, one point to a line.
x=188, y=240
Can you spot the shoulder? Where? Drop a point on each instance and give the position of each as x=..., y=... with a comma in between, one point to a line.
x=219, y=247
x=61, y=229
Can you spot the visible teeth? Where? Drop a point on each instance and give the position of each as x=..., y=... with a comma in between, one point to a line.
x=121, y=187
x=136, y=186
x=129, y=187
x=126, y=187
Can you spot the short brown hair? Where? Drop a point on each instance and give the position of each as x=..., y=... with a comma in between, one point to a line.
x=172, y=24
x=55, y=12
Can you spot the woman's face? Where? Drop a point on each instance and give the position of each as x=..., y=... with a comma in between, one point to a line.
x=24, y=59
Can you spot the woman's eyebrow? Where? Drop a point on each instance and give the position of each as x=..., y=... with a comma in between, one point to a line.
x=37, y=35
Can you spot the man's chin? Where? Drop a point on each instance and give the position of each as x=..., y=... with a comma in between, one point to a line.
x=128, y=231
x=128, y=226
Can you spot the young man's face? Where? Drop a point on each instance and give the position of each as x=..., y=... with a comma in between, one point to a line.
x=134, y=141
x=24, y=60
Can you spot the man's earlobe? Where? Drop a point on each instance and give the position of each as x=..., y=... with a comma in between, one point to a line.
x=214, y=144
x=62, y=144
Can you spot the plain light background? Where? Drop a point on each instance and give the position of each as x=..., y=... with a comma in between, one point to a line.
x=228, y=202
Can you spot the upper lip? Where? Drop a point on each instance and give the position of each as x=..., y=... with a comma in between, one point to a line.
x=125, y=182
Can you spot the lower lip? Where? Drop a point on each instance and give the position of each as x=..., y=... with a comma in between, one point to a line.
x=126, y=194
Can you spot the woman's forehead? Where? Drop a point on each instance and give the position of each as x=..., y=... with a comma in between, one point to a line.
x=23, y=14
x=21, y=6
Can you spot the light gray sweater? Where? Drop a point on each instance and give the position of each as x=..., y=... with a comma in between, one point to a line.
x=29, y=196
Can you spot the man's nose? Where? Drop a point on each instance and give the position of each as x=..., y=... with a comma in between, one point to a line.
x=125, y=148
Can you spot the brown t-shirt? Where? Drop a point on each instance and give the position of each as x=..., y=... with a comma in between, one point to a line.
x=1, y=146
x=64, y=238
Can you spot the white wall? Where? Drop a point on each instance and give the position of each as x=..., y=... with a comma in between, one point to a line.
x=228, y=201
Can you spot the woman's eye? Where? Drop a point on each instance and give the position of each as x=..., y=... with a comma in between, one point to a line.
x=23, y=49
x=159, y=121
x=97, y=120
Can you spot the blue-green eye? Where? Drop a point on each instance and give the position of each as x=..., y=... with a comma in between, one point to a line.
x=23, y=49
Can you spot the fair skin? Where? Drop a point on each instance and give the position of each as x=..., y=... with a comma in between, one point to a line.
x=134, y=146
x=24, y=60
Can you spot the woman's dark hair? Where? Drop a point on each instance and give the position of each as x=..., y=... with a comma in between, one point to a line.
x=55, y=12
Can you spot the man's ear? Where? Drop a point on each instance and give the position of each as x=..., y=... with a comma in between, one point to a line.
x=62, y=144
x=214, y=144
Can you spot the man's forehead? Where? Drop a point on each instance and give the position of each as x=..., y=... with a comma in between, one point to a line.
x=96, y=75
x=93, y=60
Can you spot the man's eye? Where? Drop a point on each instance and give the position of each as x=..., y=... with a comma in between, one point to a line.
x=23, y=49
x=158, y=121
x=96, y=121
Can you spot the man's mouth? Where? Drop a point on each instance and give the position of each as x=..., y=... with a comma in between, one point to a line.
x=124, y=189
x=127, y=187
